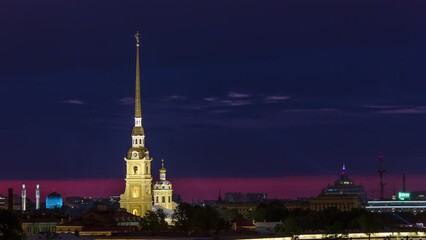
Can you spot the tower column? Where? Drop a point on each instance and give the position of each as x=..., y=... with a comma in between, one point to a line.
x=137, y=196
x=24, y=198
x=37, y=193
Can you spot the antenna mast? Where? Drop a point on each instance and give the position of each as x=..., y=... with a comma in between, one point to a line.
x=381, y=172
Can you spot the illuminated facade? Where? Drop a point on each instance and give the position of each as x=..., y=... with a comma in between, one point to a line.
x=53, y=200
x=345, y=186
x=396, y=206
x=137, y=197
x=405, y=202
x=344, y=194
x=163, y=191
x=344, y=203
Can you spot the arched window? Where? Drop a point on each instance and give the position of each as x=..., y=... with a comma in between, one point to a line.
x=163, y=199
x=135, y=212
x=140, y=141
x=170, y=200
x=156, y=199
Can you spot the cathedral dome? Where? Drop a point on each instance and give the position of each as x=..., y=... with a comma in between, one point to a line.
x=137, y=131
x=53, y=200
x=142, y=152
x=163, y=185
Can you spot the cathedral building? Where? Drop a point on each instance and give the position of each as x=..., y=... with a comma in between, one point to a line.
x=163, y=191
x=137, y=197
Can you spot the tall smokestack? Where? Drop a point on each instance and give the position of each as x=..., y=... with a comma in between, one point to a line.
x=24, y=197
x=37, y=197
x=10, y=199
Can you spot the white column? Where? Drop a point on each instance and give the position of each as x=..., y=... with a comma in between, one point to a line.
x=38, y=197
x=24, y=197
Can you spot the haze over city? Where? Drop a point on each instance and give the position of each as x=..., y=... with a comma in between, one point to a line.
x=265, y=96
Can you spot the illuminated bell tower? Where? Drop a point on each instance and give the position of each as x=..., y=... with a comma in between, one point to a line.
x=137, y=197
x=163, y=190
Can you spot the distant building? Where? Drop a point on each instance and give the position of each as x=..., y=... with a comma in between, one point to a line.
x=100, y=222
x=240, y=208
x=418, y=196
x=396, y=206
x=302, y=204
x=53, y=200
x=341, y=202
x=414, y=202
x=35, y=226
x=3, y=204
x=344, y=194
x=238, y=197
x=78, y=202
x=241, y=224
x=345, y=186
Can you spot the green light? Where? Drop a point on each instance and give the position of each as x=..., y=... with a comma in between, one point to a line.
x=403, y=196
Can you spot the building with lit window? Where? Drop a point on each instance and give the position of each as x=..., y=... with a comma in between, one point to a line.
x=344, y=194
x=345, y=186
x=396, y=206
x=405, y=202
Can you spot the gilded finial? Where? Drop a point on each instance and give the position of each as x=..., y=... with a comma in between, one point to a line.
x=162, y=163
x=137, y=38
x=344, y=168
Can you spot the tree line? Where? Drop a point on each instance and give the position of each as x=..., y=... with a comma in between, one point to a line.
x=197, y=218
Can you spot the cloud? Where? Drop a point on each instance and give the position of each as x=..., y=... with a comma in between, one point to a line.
x=126, y=100
x=238, y=95
x=210, y=99
x=175, y=98
x=381, y=106
x=406, y=110
x=276, y=98
x=307, y=110
x=236, y=103
x=74, y=101
x=232, y=102
x=398, y=109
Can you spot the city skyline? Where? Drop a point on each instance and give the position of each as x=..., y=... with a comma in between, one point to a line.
x=230, y=90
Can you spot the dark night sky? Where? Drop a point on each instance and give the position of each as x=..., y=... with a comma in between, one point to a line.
x=229, y=88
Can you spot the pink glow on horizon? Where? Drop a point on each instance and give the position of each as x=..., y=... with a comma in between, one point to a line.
x=198, y=189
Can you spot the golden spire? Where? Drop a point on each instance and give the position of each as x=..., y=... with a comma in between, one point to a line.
x=162, y=171
x=138, y=111
x=162, y=165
